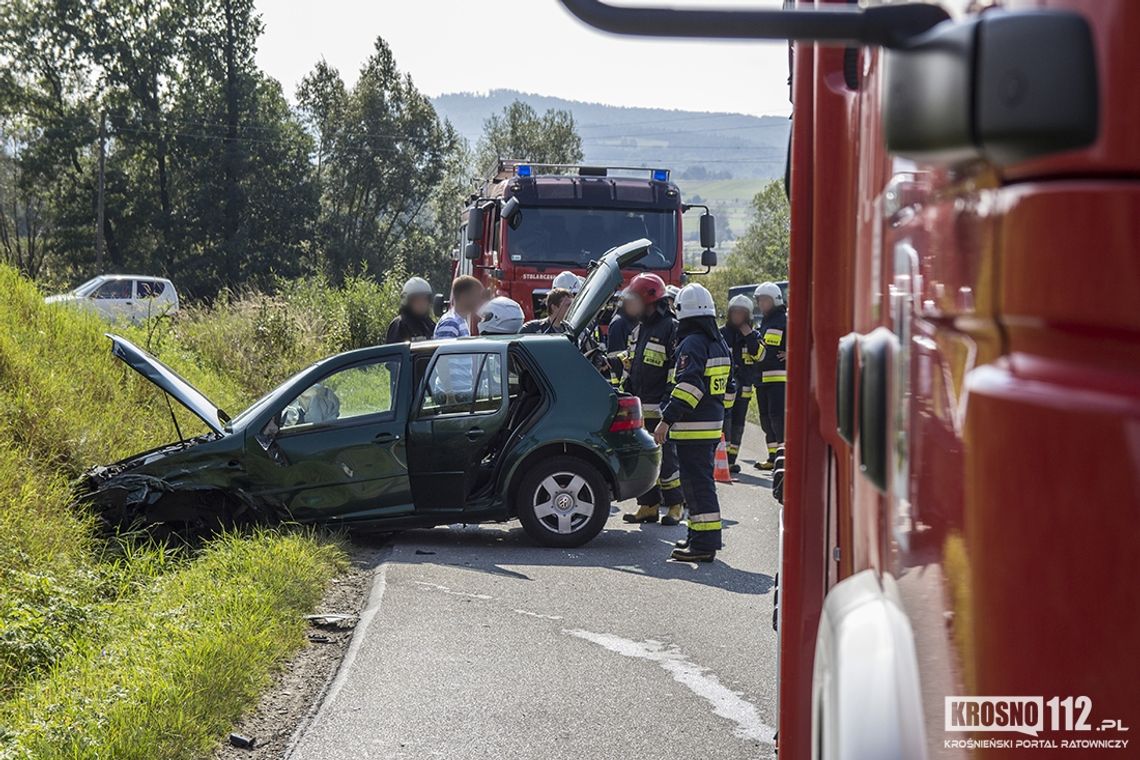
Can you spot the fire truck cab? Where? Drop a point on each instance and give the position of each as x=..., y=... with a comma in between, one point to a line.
x=529, y=222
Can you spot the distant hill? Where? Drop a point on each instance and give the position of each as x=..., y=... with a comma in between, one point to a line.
x=695, y=144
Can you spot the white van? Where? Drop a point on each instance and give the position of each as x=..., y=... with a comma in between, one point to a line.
x=123, y=297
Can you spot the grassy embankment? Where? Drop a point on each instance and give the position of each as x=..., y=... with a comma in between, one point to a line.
x=127, y=649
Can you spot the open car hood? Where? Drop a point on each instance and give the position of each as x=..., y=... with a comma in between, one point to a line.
x=601, y=283
x=170, y=382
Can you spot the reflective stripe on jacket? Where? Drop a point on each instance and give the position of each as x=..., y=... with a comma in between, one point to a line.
x=773, y=334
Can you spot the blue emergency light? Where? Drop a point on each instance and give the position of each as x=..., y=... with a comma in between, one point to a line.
x=661, y=175
x=522, y=170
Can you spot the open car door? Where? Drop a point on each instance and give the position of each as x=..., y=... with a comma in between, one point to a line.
x=458, y=413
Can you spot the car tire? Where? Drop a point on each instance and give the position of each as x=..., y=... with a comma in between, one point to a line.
x=562, y=501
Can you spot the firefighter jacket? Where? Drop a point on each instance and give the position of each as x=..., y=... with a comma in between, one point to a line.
x=617, y=345
x=745, y=351
x=774, y=337
x=695, y=408
x=652, y=344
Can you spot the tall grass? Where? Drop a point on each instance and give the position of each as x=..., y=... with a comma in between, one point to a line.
x=129, y=649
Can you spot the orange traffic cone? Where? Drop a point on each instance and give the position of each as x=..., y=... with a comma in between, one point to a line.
x=720, y=464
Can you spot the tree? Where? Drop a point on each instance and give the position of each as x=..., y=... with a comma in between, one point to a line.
x=519, y=132
x=761, y=253
x=385, y=160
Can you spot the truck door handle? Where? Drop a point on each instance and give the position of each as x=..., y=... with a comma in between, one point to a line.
x=474, y=434
x=386, y=438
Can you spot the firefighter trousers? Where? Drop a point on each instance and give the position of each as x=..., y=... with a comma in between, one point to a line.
x=696, y=461
x=734, y=422
x=770, y=402
x=667, y=490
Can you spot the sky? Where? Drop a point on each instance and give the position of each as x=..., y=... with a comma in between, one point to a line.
x=528, y=45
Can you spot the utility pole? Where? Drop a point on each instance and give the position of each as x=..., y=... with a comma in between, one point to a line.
x=99, y=195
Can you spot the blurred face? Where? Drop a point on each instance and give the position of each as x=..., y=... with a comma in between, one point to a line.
x=469, y=302
x=419, y=304
x=765, y=303
x=634, y=307
x=558, y=313
x=738, y=316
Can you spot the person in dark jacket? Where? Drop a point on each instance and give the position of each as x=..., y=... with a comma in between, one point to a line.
x=650, y=369
x=743, y=343
x=772, y=369
x=558, y=302
x=692, y=418
x=620, y=333
x=414, y=321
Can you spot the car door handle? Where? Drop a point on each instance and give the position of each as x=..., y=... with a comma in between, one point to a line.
x=386, y=438
x=474, y=433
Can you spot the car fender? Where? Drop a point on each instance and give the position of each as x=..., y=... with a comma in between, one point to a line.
x=582, y=449
x=866, y=699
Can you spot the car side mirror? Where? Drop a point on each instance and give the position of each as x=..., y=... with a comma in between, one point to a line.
x=438, y=304
x=473, y=251
x=708, y=232
x=708, y=258
x=512, y=212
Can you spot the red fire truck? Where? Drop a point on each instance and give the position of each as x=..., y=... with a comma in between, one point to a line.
x=528, y=222
x=958, y=572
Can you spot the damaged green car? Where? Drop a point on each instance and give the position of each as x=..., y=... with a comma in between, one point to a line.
x=403, y=436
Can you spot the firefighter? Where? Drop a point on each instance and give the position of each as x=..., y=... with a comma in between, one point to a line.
x=568, y=281
x=650, y=369
x=558, y=302
x=772, y=370
x=620, y=332
x=693, y=416
x=414, y=321
x=743, y=343
x=671, y=293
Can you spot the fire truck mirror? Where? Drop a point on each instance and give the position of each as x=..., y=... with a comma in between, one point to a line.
x=708, y=234
x=474, y=226
x=708, y=258
x=438, y=304
x=473, y=251
x=512, y=213
x=876, y=354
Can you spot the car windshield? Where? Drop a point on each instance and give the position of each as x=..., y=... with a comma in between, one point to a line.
x=574, y=237
x=88, y=287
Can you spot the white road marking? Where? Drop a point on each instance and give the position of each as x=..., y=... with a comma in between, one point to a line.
x=448, y=590
x=725, y=702
x=539, y=615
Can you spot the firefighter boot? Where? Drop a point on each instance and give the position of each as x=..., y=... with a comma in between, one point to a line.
x=674, y=515
x=693, y=555
x=646, y=513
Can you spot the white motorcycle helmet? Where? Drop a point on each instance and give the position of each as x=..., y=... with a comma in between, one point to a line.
x=416, y=286
x=770, y=289
x=500, y=316
x=568, y=281
x=695, y=301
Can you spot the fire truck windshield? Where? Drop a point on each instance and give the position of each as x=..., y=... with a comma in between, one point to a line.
x=575, y=236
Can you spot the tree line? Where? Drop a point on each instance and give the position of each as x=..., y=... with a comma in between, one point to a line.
x=210, y=174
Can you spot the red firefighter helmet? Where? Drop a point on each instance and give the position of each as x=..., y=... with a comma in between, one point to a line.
x=648, y=287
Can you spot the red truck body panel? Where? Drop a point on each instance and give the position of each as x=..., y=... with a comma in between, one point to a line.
x=1010, y=519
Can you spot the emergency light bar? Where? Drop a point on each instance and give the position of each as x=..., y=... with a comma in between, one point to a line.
x=507, y=168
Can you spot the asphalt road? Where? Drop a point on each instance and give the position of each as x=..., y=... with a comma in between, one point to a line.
x=475, y=643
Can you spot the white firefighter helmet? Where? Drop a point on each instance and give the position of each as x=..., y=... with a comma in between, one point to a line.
x=695, y=301
x=416, y=286
x=500, y=316
x=569, y=281
x=741, y=302
x=770, y=289
x=672, y=291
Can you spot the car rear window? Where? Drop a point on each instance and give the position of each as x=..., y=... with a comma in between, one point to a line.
x=150, y=288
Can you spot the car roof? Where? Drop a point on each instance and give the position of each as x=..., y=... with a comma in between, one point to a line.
x=486, y=342
x=129, y=277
